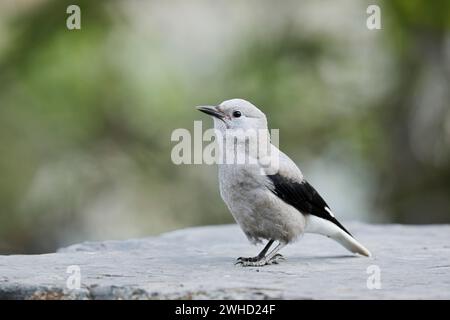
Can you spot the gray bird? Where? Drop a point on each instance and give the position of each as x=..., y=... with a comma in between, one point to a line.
x=273, y=203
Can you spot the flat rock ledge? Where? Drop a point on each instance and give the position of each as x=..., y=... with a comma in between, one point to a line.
x=409, y=262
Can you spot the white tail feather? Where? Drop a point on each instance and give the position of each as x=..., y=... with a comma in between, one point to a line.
x=327, y=228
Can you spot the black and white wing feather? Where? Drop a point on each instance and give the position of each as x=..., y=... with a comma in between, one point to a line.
x=302, y=196
x=288, y=184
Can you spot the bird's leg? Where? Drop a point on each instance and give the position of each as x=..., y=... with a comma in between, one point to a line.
x=260, y=256
x=272, y=258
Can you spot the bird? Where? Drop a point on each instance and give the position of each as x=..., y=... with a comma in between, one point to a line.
x=273, y=203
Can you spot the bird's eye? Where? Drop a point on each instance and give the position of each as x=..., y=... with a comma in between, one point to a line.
x=237, y=114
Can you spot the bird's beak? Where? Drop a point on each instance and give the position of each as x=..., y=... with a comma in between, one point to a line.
x=212, y=111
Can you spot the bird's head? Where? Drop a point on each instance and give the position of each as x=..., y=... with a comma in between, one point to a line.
x=236, y=114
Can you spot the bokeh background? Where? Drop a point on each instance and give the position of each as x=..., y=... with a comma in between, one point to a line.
x=86, y=115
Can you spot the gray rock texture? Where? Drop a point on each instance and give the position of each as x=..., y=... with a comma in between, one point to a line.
x=198, y=263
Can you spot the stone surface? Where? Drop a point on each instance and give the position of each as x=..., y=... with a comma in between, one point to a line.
x=198, y=263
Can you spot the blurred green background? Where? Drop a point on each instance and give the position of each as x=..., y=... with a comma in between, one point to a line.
x=86, y=115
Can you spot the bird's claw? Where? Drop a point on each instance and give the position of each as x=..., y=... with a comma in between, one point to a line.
x=248, y=263
x=259, y=262
x=247, y=259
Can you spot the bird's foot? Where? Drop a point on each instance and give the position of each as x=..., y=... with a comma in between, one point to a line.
x=251, y=262
x=248, y=259
x=259, y=261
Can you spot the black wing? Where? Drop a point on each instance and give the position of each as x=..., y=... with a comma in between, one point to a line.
x=303, y=197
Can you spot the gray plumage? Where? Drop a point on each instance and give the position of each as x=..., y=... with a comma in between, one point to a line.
x=269, y=202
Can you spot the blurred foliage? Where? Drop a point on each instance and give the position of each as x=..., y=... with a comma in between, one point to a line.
x=86, y=116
